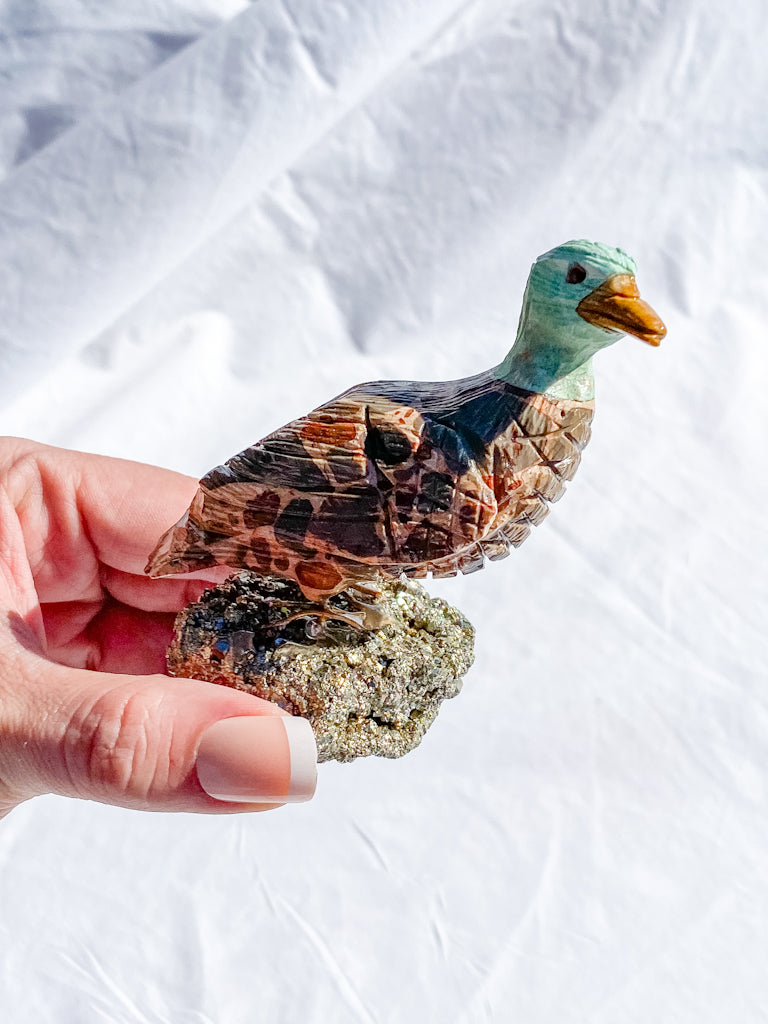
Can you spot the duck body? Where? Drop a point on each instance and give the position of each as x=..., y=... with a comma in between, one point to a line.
x=391, y=476
x=421, y=477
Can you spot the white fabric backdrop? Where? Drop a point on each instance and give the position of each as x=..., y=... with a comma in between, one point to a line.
x=214, y=215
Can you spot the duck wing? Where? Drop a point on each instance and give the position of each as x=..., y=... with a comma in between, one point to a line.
x=378, y=476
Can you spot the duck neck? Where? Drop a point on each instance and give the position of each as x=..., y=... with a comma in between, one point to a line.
x=540, y=361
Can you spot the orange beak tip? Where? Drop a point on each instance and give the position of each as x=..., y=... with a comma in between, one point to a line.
x=616, y=306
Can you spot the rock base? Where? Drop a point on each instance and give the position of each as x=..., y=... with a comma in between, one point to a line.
x=364, y=693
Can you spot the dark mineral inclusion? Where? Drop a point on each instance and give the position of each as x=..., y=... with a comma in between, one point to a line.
x=362, y=692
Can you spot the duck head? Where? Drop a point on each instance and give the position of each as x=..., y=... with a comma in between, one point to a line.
x=580, y=297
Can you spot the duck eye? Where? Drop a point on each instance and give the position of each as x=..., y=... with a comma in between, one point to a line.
x=576, y=274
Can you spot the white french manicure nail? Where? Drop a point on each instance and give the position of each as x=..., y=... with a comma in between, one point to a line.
x=258, y=759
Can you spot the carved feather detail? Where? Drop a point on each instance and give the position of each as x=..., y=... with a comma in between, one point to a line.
x=390, y=476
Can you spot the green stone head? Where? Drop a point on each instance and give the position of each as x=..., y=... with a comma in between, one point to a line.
x=580, y=297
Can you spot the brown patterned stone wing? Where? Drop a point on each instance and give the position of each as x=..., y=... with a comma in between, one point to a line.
x=396, y=479
x=306, y=489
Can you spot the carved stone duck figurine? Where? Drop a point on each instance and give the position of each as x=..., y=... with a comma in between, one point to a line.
x=422, y=477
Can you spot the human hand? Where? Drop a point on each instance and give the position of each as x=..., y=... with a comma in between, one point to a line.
x=85, y=710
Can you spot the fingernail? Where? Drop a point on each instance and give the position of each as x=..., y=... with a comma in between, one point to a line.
x=258, y=759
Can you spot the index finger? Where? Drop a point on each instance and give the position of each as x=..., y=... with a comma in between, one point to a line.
x=79, y=512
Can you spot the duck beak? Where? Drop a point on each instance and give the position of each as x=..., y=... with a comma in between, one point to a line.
x=616, y=306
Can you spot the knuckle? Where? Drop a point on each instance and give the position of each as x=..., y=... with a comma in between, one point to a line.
x=22, y=478
x=108, y=740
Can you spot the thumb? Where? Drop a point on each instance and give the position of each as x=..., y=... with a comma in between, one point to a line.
x=148, y=742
